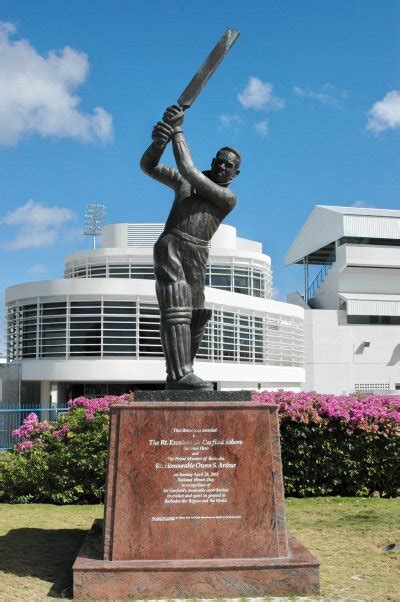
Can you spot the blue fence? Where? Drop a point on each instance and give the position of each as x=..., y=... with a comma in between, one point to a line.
x=320, y=277
x=11, y=419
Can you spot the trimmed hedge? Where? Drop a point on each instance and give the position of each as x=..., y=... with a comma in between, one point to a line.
x=330, y=446
x=338, y=445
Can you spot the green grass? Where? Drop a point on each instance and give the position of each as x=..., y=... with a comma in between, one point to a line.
x=39, y=542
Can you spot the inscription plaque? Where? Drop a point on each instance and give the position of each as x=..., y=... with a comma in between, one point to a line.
x=198, y=482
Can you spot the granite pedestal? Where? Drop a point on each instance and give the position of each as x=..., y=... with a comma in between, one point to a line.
x=194, y=507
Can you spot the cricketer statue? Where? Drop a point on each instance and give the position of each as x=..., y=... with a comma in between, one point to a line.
x=202, y=201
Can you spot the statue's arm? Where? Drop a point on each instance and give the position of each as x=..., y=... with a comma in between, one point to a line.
x=223, y=197
x=150, y=164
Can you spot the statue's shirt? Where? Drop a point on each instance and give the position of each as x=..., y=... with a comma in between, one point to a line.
x=193, y=214
x=200, y=204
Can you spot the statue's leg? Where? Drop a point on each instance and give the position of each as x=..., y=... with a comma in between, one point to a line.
x=195, y=266
x=200, y=318
x=176, y=314
x=176, y=336
x=175, y=302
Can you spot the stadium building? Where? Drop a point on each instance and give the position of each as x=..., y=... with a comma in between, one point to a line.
x=96, y=331
x=352, y=305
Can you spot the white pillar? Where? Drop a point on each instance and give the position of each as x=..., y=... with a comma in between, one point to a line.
x=54, y=395
x=44, y=394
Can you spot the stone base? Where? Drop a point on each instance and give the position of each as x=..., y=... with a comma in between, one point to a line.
x=97, y=579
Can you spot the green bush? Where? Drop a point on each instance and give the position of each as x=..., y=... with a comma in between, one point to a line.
x=61, y=470
x=330, y=446
x=323, y=460
x=337, y=445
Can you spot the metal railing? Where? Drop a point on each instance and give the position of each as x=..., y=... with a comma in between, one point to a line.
x=320, y=277
x=12, y=418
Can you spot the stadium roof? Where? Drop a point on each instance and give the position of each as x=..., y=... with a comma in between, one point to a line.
x=328, y=223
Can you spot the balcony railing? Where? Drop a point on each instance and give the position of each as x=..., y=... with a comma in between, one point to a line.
x=320, y=277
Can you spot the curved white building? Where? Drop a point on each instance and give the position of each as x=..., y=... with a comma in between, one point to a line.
x=96, y=331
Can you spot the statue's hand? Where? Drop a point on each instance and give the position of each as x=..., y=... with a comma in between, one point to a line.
x=174, y=116
x=161, y=134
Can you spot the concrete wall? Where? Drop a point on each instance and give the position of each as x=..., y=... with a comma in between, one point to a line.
x=382, y=281
x=360, y=269
x=336, y=358
x=153, y=370
x=327, y=294
x=371, y=256
x=2, y=366
x=11, y=377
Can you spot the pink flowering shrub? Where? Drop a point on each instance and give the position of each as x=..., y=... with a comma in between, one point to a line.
x=61, y=461
x=338, y=445
x=370, y=413
x=30, y=433
x=60, y=433
x=344, y=445
x=24, y=445
x=100, y=403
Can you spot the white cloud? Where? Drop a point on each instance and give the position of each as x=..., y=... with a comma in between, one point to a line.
x=72, y=234
x=364, y=204
x=228, y=121
x=261, y=127
x=36, y=225
x=37, y=93
x=385, y=114
x=327, y=94
x=37, y=269
x=259, y=95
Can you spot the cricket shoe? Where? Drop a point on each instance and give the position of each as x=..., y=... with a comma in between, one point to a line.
x=189, y=382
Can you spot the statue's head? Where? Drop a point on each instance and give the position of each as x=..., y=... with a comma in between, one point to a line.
x=225, y=165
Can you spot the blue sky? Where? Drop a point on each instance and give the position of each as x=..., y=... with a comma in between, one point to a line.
x=309, y=94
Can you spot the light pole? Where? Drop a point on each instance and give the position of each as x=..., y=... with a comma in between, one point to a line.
x=95, y=219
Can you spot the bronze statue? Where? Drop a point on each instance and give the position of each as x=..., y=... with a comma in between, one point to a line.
x=202, y=201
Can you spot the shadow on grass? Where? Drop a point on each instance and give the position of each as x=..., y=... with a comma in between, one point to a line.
x=46, y=554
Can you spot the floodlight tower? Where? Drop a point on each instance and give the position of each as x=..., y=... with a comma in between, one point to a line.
x=95, y=219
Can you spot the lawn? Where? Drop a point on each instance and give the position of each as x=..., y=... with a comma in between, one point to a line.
x=39, y=542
